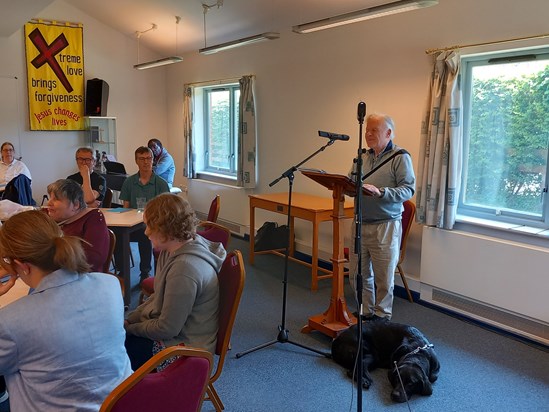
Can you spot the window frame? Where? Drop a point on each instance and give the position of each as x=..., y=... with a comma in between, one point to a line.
x=201, y=135
x=496, y=215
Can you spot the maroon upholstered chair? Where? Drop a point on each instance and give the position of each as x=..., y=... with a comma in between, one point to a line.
x=109, y=262
x=214, y=232
x=112, y=244
x=231, y=283
x=107, y=200
x=407, y=219
x=211, y=231
x=179, y=387
x=213, y=213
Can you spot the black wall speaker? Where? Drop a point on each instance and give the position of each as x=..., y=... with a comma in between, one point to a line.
x=97, y=95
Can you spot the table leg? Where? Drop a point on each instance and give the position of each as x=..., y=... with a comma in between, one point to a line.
x=123, y=236
x=314, y=257
x=252, y=233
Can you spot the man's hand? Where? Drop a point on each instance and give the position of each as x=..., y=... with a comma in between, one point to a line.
x=84, y=170
x=371, y=190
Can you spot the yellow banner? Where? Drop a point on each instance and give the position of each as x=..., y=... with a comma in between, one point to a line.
x=55, y=76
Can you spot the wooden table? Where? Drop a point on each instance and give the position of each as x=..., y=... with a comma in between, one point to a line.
x=123, y=224
x=315, y=209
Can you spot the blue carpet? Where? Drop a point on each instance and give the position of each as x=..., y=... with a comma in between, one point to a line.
x=480, y=370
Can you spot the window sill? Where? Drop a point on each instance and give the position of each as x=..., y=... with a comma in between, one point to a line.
x=216, y=178
x=507, y=231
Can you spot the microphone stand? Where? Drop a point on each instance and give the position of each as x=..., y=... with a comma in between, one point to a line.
x=283, y=333
x=358, y=252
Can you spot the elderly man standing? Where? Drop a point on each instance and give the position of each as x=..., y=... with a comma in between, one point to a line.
x=163, y=164
x=93, y=184
x=391, y=183
x=142, y=186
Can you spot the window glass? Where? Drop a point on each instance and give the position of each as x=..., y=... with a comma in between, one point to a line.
x=506, y=136
x=219, y=131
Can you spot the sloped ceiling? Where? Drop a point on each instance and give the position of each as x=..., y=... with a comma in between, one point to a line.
x=233, y=20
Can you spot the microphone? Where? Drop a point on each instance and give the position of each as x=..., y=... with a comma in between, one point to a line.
x=361, y=112
x=333, y=136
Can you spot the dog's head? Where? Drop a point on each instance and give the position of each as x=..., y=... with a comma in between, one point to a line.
x=414, y=381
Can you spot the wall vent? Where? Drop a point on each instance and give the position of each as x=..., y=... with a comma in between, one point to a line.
x=532, y=329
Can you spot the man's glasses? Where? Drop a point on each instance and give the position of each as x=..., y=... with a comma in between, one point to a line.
x=8, y=150
x=84, y=159
x=145, y=159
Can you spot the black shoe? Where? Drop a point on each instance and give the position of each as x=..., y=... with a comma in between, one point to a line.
x=369, y=316
x=376, y=318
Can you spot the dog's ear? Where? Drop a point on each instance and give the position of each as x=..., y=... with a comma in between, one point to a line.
x=434, y=366
x=427, y=388
x=400, y=351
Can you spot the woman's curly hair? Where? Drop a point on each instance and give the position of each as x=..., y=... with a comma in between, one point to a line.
x=171, y=216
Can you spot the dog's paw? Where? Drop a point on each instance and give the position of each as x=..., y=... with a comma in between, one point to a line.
x=366, y=381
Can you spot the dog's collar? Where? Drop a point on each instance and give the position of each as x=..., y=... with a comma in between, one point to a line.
x=416, y=350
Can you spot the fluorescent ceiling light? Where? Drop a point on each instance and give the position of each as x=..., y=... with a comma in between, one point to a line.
x=240, y=42
x=365, y=14
x=159, y=62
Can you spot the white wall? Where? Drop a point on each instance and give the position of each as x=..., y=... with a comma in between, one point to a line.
x=137, y=98
x=307, y=83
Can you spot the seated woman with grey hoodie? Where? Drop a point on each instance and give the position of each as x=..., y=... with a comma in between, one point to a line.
x=184, y=305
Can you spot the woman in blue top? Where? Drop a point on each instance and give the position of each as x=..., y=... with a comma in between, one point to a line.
x=61, y=346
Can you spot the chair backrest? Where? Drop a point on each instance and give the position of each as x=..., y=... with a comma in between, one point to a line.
x=407, y=219
x=107, y=200
x=231, y=283
x=213, y=213
x=112, y=244
x=214, y=232
x=179, y=387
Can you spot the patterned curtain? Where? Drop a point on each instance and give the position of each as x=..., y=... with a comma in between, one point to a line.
x=440, y=155
x=188, y=170
x=247, y=139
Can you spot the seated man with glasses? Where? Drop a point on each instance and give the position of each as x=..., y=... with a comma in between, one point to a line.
x=144, y=185
x=93, y=184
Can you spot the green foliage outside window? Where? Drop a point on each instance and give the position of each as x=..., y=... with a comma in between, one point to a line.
x=508, y=141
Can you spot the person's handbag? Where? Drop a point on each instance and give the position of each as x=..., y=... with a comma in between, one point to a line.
x=271, y=236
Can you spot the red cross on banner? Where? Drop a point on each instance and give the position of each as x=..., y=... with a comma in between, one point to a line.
x=55, y=76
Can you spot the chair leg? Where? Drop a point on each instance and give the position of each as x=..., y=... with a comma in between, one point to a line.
x=214, y=398
x=410, y=298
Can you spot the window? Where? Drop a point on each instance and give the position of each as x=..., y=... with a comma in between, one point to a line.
x=506, y=137
x=216, y=131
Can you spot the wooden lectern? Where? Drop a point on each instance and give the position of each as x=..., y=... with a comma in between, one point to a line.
x=336, y=318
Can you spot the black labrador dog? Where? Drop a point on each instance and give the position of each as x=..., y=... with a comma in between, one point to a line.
x=383, y=344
